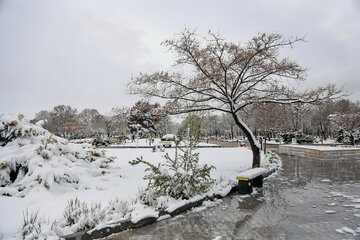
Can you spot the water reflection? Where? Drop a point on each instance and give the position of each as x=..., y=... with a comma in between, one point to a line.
x=265, y=213
x=291, y=205
x=305, y=170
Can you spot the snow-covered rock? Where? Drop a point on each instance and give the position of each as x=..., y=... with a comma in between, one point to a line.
x=31, y=157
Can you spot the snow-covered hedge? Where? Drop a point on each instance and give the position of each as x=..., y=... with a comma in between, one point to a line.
x=271, y=160
x=31, y=157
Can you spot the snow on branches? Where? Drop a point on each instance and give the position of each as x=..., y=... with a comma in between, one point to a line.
x=229, y=77
x=348, y=124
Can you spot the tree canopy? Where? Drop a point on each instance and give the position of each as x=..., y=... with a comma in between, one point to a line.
x=229, y=77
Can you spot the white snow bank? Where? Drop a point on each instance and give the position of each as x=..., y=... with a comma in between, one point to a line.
x=346, y=230
x=141, y=212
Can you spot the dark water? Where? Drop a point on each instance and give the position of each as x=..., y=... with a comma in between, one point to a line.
x=308, y=199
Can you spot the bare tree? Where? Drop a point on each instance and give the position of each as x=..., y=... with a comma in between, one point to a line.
x=87, y=121
x=166, y=125
x=118, y=117
x=270, y=118
x=228, y=77
x=59, y=117
x=320, y=118
x=298, y=111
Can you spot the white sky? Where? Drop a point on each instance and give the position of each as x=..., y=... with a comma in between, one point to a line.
x=83, y=52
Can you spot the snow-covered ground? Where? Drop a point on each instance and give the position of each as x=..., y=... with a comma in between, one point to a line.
x=52, y=171
x=122, y=182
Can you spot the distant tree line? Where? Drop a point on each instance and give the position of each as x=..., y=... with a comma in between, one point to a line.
x=143, y=119
x=338, y=119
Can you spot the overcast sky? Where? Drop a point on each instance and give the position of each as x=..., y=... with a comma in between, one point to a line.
x=82, y=53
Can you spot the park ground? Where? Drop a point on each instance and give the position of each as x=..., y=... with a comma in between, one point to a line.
x=122, y=182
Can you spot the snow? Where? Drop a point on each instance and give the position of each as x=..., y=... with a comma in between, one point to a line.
x=163, y=217
x=325, y=180
x=249, y=130
x=272, y=142
x=357, y=206
x=252, y=173
x=330, y=212
x=331, y=204
x=346, y=230
x=169, y=136
x=119, y=181
x=218, y=238
x=142, y=212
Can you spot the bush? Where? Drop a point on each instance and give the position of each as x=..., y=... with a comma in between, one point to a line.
x=31, y=225
x=271, y=161
x=79, y=216
x=117, y=209
x=98, y=141
x=34, y=227
x=30, y=157
x=180, y=177
x=300, y=138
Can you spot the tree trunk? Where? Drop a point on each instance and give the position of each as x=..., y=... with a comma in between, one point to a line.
x=255, y=147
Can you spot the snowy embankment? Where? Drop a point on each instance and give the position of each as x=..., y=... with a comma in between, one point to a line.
x=74, y=187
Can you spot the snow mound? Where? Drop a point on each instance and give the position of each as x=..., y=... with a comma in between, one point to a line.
x=31, y=157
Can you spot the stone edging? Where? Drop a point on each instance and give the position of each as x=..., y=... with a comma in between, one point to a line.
x=127, y=224
x=321, y=154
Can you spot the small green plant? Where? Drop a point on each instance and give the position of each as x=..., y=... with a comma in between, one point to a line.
x=118, y=208
x=31, y=225
x=180, y=177
x=82, y=217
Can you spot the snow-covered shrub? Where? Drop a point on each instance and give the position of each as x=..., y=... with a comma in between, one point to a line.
x=117, y=209
x=14, y=127
x=34, y=227
x=271, y=161
x=82, y=141
x=30, y=156
x=31, y=226
x=300, y=138
x=180, y=177
x=100, y=141
x=147, y=197
x=79, y=216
